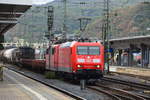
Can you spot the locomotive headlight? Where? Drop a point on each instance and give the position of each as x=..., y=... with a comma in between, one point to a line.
x=79, y=66
x=98, y=66
x=96, y=60
x=81, y=60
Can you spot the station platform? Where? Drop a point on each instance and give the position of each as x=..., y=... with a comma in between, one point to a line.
x=17, y=87
x=131, y=70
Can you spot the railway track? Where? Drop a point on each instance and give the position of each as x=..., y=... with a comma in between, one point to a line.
x=49, y=85
x=136, y=86
x=129, y=83
x=115, y=93
x=113, y=97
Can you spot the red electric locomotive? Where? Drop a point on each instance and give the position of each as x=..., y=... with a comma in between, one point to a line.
x=81, y=60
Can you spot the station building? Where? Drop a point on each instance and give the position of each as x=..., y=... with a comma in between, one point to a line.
x=132, y=51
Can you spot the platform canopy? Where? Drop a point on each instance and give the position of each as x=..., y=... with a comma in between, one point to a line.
x=125, y=42
x=10, y=11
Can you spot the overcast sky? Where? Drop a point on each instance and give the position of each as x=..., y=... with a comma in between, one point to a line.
x=41, y=1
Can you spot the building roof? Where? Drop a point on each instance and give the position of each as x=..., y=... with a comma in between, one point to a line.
x=126, y=42
x=16, y=2
x=131, y=38
x=10, y=11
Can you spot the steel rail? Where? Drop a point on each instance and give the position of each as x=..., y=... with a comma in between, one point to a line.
x=129, y=83
x=144, y=96
x=114, y=97
x=123, y=97
x=122, y=92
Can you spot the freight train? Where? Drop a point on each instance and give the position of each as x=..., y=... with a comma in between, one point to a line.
x=15, y=55
x=9, y=55
x=76, y=60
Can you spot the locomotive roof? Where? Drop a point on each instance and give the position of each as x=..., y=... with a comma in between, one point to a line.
x=70, y=44
x=67, y=44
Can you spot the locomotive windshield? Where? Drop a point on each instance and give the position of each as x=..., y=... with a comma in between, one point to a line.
x=88, y=50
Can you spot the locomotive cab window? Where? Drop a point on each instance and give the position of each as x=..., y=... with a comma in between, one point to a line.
x=88, y=50
x=82, y=50
x=94, y=50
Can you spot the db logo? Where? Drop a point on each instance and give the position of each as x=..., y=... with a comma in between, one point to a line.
x=88, y=57
x=88, y=60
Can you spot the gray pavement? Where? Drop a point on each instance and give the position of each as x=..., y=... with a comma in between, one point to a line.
x=18, y=87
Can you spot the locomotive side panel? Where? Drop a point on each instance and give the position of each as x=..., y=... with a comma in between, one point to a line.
x=52, y=62
x=102, y=57
x=64, y=60
x=56, y=59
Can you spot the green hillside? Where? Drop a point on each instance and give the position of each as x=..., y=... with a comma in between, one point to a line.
x=33, y=25
x=129, y=21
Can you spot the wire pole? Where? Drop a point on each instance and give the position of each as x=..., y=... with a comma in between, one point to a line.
x=105, y=32
x=50, y=26
x=65, y=17
x=32, y=28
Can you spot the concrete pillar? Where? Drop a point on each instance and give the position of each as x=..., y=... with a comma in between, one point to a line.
x=1, y=72
x=144, y=52
x=142, y=55
x=119, y=58
x=124, y=61
x=130, y=57
x=149, y=57
x=1, y=41
x=146, y=57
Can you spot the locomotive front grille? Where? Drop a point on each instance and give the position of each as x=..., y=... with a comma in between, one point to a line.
x=89, y=73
